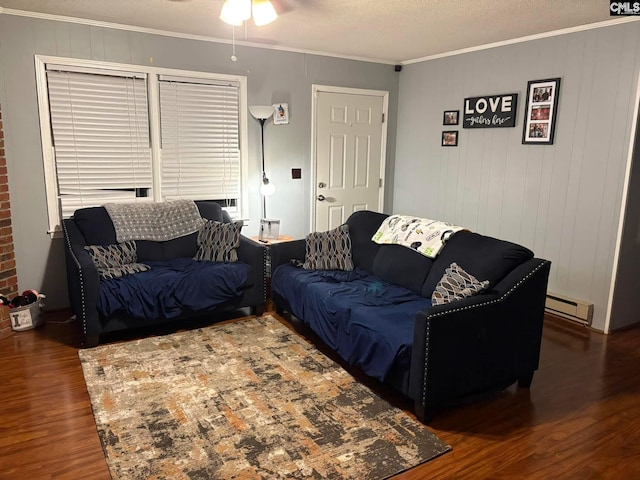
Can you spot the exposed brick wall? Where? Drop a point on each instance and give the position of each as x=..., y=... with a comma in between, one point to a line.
x=8, y=276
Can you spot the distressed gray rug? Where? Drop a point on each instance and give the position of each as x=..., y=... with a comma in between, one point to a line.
x=243, y=400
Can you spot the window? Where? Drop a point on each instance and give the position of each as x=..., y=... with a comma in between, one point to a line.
x=119, y=133
x=100, y=130
x=199, y=132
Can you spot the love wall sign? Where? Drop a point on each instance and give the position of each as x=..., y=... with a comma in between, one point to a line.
x=490, y=111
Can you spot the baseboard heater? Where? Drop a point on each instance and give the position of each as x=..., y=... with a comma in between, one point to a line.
x=569, y=308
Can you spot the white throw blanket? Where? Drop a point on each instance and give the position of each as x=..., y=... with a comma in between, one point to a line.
x=421, y=234
x=154, y=221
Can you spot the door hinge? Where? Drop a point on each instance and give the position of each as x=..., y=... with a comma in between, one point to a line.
x=380, y=183
x=383, y=118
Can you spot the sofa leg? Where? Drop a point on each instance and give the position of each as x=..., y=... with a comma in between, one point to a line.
x=524, y=381
x=423, y=414
x=90, y=341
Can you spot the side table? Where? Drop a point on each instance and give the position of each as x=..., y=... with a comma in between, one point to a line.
x=267, y=265
x=271, y=241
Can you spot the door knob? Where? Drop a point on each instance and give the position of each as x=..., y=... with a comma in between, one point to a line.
x=321, y=198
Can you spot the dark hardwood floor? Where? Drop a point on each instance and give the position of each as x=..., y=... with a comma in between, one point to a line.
x=580, y=419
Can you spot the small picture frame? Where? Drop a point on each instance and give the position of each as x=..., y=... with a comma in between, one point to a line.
x=450, y=138
x=280, y=114
x=541, y=111
x=450, y=117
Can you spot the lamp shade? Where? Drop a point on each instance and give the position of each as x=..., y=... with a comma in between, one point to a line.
x=267, y=188
x=261, y=112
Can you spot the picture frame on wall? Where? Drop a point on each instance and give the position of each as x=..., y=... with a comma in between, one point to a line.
x=451, y=117
x=280, y=113
x=450, y=138
x=541, y=111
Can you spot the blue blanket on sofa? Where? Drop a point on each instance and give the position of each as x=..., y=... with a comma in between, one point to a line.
x=368, y=321
x=172, y=287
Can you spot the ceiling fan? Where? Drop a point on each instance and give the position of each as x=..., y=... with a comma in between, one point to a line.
x=235, y=12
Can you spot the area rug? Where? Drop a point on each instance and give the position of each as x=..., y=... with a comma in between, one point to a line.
x=248, y=399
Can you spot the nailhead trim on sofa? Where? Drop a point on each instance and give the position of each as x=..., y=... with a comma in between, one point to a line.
x=75, y=259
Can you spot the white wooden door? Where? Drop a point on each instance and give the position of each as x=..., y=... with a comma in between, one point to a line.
x=349, y=139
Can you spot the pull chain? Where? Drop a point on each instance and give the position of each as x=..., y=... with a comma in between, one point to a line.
x=233, y=45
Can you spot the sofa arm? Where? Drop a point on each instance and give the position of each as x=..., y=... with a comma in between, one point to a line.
x=83, y=282
x=483, y=342
x=254, y=254
x=286, y=251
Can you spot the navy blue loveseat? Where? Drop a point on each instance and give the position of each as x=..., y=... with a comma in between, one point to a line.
x=380, y=316
x=176, y=286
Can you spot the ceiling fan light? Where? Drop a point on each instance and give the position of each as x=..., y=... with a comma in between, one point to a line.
x=263, y=12
x=234, y=12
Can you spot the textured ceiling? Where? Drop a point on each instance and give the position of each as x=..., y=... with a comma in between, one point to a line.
x=392, y=31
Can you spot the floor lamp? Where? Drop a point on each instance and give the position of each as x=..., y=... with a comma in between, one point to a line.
x=262, y=113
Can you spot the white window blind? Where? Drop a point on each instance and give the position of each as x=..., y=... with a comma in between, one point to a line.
x=200, y=132
x=100, y=127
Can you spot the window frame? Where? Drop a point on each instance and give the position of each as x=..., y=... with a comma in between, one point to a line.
x=153, y=75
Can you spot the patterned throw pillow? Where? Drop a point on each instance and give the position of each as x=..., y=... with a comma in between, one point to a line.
x=456, y=284
x=217, y=241
x=126, y=269
x=116, y=260
x=329, y=250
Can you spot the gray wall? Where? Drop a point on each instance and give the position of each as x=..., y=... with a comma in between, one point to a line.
x=562, y=201
x=273, y=76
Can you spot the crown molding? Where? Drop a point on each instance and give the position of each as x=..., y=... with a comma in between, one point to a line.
x=185, y=36
x=204, y=38
x=528, y=38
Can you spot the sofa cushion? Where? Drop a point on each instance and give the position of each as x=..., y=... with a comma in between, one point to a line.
x=173, y=288
x=151, y=250
x=95, y=225
x=368, y=321
x=456, y=284
x=97, y=228
x=362, y=225
x=483, y=257
x=185, y=246
x=295, y=284
x=211, y=211
x=402, y=266
x=329, y=250
x=378, y=338
x=178, y=247
x=217, y=242
x=159, y=221
x=116, y=260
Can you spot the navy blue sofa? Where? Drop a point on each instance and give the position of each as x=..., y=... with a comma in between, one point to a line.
x=176, y=287
x=380, y=317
